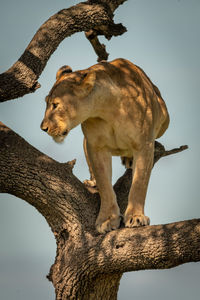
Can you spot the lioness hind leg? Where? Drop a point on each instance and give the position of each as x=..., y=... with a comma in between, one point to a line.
x=143, y=162
x=127, y=162
x=109, y=215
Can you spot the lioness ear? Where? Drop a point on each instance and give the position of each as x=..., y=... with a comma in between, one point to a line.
x=87, y=84
x=62, y=71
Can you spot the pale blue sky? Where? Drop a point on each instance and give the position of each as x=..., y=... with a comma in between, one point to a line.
x=164, y=39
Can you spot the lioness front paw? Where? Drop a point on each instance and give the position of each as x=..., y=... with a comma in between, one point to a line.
x=91, y=186
x=136, y=220
x=90, y=183
x=104, y=225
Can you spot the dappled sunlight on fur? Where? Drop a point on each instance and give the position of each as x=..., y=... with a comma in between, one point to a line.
x=122, y=113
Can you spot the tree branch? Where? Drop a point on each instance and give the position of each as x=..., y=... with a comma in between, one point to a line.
x=22, y=77
x=112, y=4
x=151, y=247
x=123, y=250
x=100, y=49
x=47, y=185
x=161, y=152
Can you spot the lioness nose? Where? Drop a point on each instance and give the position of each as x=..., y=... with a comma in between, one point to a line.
x=43, y=127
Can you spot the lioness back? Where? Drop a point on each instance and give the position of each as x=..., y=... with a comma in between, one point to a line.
x=133, y=96
x=132, y=79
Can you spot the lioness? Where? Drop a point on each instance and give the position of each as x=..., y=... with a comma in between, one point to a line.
x=121, y=113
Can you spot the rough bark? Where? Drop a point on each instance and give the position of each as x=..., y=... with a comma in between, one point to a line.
x=22, y=77
x=89, y=265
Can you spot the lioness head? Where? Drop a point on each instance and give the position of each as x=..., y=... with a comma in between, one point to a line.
x=67, y=104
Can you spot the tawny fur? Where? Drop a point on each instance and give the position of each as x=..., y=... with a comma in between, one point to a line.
x=122, y=113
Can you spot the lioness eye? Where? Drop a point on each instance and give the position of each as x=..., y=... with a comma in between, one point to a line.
x=54, y=105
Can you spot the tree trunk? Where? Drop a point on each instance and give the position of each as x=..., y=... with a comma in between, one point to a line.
x=103, y=286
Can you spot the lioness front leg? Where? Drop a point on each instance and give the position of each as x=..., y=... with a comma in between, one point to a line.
x=92, y=181
x=142, y=165
x=109, y=214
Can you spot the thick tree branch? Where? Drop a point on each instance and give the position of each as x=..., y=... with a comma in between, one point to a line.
x=151, y=247
x=47, y=185
x=122, y=250
x=22, y=77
